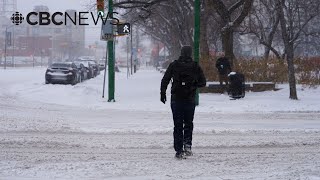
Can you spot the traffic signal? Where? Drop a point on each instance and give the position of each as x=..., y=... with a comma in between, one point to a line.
x=100, y=7
x=124, y=29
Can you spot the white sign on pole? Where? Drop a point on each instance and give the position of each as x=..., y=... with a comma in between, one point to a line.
x=107, y=31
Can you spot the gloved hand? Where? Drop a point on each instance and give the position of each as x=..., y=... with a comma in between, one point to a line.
x=163, y=98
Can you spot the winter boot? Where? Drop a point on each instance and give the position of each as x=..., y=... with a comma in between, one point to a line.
x=187, y=151
x=179, y=155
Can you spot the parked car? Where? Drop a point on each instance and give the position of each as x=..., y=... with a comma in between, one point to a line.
x=82, y=70
x=89, y=68
x=62, y=72
x=102, y=64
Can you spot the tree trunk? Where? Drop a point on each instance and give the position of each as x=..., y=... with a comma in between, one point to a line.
x=227, y=45
x=204, y=48
x=266, y=53
x=291, y=72
x=289, y=49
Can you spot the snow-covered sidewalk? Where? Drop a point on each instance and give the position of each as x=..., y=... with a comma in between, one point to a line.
x=70, y=132
x=141, y=92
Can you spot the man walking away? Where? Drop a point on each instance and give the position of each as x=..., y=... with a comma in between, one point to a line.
x=187, y=76
x=224, y=68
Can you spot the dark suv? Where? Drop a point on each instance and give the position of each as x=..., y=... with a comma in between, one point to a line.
x=62, y=72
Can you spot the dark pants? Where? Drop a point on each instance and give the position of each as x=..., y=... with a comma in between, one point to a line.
x=183, y=113
x=223, y=78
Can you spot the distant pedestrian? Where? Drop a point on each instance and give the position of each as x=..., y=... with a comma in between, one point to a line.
x=224, y=68
x=187, y=76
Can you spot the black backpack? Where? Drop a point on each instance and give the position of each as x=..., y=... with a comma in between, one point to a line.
x=186, y=78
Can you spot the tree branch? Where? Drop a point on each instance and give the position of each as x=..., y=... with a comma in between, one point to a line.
x=235, y=6
x=221, y=10
x=244, y=13
x=136, y=3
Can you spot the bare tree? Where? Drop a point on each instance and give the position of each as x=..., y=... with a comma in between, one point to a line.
x=169, y=22
x=309, y=43
x=231, y=17
x=263, y=23
x=294, y=15
x=204, y=19
x=129, y=4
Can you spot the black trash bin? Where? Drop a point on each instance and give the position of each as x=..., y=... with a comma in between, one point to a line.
x=236, y=85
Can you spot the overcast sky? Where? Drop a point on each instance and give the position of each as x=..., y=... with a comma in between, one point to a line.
x=26, y=6
x=92, y=32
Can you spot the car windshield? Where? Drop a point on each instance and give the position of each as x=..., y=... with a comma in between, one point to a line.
x=61, y=65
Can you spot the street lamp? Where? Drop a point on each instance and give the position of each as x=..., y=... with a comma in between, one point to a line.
x=5, y=46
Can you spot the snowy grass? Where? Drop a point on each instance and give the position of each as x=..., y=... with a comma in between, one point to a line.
x=142, y=92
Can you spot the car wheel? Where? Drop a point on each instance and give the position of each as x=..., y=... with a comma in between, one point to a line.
x=47, y=82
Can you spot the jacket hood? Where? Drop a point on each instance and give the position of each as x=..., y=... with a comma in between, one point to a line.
x=186, y=51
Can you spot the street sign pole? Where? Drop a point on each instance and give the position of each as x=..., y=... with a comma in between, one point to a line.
x=100, y=9
x=5, y=49
x=105, y=74
x=128, y=73
x=111, y=83
x=197, y=38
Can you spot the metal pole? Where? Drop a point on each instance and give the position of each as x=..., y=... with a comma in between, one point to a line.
x=33, y=47
x=111, y=61
x=13, y=47
x=197, y=38
x=131, y=63
x=105, y=74
x=137, y=51
x=128, y=58
x=41, y=57
x=5, y=49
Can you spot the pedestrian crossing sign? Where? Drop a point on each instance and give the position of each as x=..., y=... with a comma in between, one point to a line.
x=124, y=29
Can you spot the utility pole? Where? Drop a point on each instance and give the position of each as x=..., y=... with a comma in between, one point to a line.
x=197, y=38
x=111, y=83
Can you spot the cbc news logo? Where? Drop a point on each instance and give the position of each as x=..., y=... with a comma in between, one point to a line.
x=66, y=18
x=17, y=18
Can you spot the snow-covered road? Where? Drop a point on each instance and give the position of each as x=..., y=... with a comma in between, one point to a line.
x=68, y=132
x=89, y=156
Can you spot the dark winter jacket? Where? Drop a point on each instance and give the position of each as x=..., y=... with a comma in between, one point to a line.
x=223, y=66
x=175, y=68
